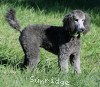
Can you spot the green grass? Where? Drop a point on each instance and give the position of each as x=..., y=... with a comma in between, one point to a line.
x=11, y=54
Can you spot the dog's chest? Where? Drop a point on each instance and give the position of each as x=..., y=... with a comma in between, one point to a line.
x=74, y=42
x=71, y=46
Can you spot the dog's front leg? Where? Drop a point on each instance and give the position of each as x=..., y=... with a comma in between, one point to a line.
x=63, y=59
x=77, y=62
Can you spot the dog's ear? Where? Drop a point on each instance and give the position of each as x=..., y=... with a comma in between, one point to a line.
x=86, y=23
x=68, y=22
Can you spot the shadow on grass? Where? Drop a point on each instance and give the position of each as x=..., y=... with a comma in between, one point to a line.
x=61, y=6
x=7, y=62
x=19, y=65
x=57, y=4
x=3, y=61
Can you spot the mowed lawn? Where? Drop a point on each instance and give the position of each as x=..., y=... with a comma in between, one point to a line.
x=47, y=73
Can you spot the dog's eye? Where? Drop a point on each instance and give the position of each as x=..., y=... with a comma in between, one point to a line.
x=76, y=20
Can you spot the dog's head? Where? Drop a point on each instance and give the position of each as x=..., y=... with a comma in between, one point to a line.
x=76, y=22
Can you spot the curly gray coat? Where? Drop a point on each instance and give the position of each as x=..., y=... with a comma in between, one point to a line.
x=63, y=41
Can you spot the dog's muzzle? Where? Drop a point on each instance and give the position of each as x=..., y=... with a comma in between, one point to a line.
x=79, y=26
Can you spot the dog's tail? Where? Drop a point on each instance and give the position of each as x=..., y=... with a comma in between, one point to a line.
x=11, y=19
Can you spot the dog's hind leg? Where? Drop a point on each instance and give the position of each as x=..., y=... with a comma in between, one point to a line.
x=31, y=50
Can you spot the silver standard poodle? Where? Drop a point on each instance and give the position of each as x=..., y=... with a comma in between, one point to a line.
x=63, y=41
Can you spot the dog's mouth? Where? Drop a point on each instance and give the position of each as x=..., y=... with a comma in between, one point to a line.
x=79, y=30
x=75, y=32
